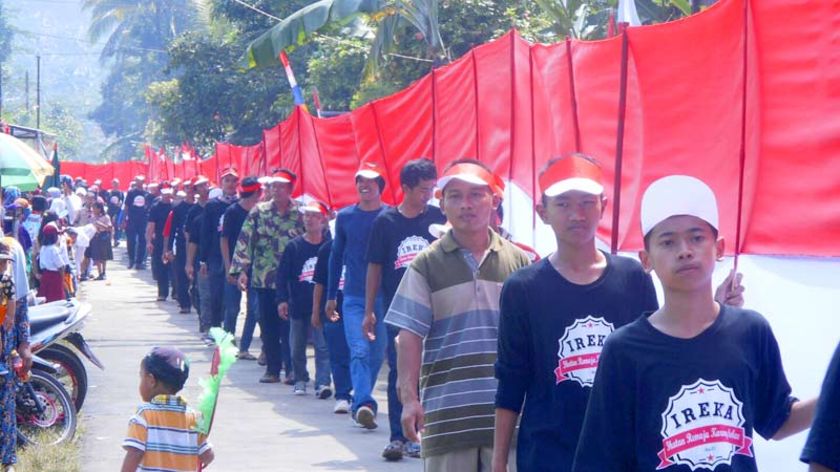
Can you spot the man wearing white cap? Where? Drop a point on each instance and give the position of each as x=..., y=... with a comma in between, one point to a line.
x=137, y=203
x=267, y=230
x=687, y=385
x=115, y=200
x=352, y=230
x=447, y=310
x=154, y=235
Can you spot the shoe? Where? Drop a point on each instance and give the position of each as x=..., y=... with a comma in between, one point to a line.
x=141, y=267
x=411, y=449
x=261, y=359
x=342, y=407
x=184, y=311
x=393, y=451
x=207, y=339
x=365, y=417
x=270, y=379
x=161, y=299
x=290, y=380
x=300, y=388
x=245, y=356
x=323, y=392
x=130, y=266
x=101, y=276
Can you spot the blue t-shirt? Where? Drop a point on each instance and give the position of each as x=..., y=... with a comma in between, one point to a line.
x=551, y=333
x=352, y=229
x=823, y=446
x=665, y=403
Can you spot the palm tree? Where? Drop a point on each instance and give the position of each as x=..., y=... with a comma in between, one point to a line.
x=388, y=16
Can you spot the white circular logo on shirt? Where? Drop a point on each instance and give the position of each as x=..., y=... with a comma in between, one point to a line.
x=308, y=270
x=703, y=427
x=115, y=199
x=580, y=349
x=408, y=249
x=139, y=201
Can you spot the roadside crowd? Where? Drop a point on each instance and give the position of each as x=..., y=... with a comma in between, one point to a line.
x=497, y=360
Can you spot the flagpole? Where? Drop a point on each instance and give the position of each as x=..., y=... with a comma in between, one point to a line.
x=742, y=152
x=619, y=145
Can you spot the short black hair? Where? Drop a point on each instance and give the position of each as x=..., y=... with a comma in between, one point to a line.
x=248, y=182
x=647, y=236
x=379, y=181
x=416, y=171
x=553, y=160
x=39, y=203
x=160, y=364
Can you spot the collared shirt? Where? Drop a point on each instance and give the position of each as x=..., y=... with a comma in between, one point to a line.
x=262, y=240
x=455, y=309
x=164, y=429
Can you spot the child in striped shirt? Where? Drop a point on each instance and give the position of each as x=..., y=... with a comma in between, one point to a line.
x=162, y=435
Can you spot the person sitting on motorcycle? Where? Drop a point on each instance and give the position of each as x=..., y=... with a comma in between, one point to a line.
x=7, y=303
x=162, y=435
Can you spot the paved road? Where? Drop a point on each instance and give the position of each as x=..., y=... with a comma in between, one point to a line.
x=258, y=427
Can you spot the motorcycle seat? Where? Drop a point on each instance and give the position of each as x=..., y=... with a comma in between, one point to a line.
x=48, y=315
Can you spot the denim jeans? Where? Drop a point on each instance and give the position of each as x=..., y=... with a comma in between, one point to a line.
x=233, y=300
x=394, y=405
x=299, y=335
x=339, y=357
x=365, y=356
x=274, y=332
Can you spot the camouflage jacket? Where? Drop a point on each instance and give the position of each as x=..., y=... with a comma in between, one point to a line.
x=263, y=238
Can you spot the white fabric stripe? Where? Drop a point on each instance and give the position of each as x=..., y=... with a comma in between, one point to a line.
x=429, y=436
x=459, y=419
x=407, y=317
x=438, y=397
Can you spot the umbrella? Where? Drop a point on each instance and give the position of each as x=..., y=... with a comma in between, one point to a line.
x=20, y=165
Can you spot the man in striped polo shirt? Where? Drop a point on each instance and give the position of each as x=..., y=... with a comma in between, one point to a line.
x=447, y=310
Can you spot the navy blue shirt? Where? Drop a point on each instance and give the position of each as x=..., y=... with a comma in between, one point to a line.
x=666, y=403
x=158, y=215
x=296, y=276
x=209, y=250
x=823, y=446
x=322, y=276
x=352, y=229
x=137, y=203
x=232, y=221
x=176, y=230
x=396, y=240
x=551, y=333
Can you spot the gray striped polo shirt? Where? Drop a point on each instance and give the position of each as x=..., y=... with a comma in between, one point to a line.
x=455, y=309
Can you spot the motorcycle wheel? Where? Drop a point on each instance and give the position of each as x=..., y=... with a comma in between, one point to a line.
x=71, y=372
x=56, y=423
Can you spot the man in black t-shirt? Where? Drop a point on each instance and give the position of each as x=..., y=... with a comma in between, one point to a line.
x=158, y=215
x=250, y=191
x=176, y=244
x=192, y=234
x=822, y=450
x=398, y=235
x=137, y=203
x=115, y=200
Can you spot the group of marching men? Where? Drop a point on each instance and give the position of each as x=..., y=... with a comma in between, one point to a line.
x=483, y=339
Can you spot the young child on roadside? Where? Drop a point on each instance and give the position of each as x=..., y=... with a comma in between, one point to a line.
x=683, y=388
x=7, y=304
x=162, y=435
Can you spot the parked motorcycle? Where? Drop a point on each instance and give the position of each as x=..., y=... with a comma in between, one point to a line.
x=43, y=408
x=55, y=327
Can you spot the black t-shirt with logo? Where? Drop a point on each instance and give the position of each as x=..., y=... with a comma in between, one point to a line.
x=158, y=215
x=665, y=403
x=176, y=234
x=209, y=250
x=551, y=332
x=137, y=203
x=823, y=446
x=295, y=276
x=232, y=221
x=115, y=199
x=396, y=240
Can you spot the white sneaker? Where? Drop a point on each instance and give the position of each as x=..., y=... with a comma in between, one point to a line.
x=365, y=417
x=323, y=392
x=300, y=388
x=342, y=407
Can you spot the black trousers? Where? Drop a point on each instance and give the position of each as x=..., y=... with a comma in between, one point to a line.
x=136, y=243
x=182, y=283
x=159, y=269
x=274, y=332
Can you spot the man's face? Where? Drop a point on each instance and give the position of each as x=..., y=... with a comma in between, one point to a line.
x=420, y=194
x=229, y=183
x=573, y=216
x=368, y=189
x=280, y=191
x=313, y=221
x=115, y=184
x=202, y=189
x=682, y=250
x=468, y=206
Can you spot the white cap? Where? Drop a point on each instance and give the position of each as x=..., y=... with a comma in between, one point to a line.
x=215, y=192
x=81, y=192
x=166, y=191
x=677, y=195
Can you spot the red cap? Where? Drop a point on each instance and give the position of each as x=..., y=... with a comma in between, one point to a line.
x=572, y=173
x=228, y=171
x=473, y=174
x=370, y=170
x=315, y=206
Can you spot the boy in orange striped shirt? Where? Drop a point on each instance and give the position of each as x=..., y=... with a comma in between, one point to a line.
x=162, y=435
